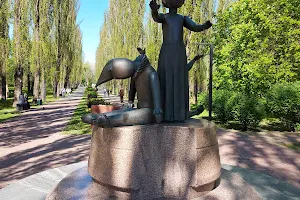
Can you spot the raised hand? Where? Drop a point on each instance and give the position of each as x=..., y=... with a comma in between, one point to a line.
x=207, y=24
x=154, y=5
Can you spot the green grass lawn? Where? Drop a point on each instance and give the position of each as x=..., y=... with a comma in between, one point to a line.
x=295, y=146
x=7, y=111
x=75, y=125
x=204, y=114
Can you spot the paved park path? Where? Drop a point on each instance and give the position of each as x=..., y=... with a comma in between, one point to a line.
x=32, y=143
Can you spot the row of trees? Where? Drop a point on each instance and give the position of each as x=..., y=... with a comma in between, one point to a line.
x=129, y=25
x=120, y=34
x=45, y=48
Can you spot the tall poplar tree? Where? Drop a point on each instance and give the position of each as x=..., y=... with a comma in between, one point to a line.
x=4, y=44
x=120, y=35
x=20, y=44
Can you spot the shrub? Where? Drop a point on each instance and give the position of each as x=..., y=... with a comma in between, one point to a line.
x=220, y=98
x=203, y=99
x=6, y=103
x=92, y=94
x=99, y=101
x=283, y=102
x=90, y=89
x=96, y=101
x=247, y=109
x=297, y=128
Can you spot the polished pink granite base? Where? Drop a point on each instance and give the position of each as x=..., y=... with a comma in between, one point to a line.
x=80, y=185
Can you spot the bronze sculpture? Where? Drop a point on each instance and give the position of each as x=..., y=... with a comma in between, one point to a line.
x=144, y=83
x=172, y=65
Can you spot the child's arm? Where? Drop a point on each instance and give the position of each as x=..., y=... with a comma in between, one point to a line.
x=191, y=25
x=157, y=17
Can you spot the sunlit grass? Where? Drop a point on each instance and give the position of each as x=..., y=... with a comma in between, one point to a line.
x=75, y=125
x=204, y=114
x=7, y=111
x=294, y=145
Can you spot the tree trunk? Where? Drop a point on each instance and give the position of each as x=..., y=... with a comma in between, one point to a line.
x=7, y=91
x=55, y=85
x=4, y=47
x=56, y=90
x=28, y=83
x=18, y=84
x=67, y=78
x=196, y=88
x=43, y=86
x=3, y=84
x=36, y=87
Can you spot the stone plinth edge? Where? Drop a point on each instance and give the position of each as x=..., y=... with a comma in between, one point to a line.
x=80, y=185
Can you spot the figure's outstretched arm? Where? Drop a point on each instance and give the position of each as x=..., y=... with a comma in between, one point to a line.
x=191, y=25
x=157, y=17
x=192, y=62
x=132, y=92
x=155, y=89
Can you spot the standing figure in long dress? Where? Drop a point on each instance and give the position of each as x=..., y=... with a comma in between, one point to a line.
x=172, y=65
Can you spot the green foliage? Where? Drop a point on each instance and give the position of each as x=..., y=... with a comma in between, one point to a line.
x=97, y=101
x=203, y=99
x=89, y=89
x=257, y=45
x=235, y=106
x=93, y=99
x=220, y=98
x=248, y=110
x=6, y=103
x=283, y=101
x=92, y=94
x=122, y=32
x=297, y=127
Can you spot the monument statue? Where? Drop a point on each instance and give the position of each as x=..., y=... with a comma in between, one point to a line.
x=172, y=64
x=144, y=83
x=166, y=161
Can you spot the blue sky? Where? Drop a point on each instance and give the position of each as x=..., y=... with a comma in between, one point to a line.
x=90, y=17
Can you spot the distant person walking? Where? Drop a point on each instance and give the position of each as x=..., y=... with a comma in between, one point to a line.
x=121, y=94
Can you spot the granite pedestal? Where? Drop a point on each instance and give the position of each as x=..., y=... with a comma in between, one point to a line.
x=161, y=161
